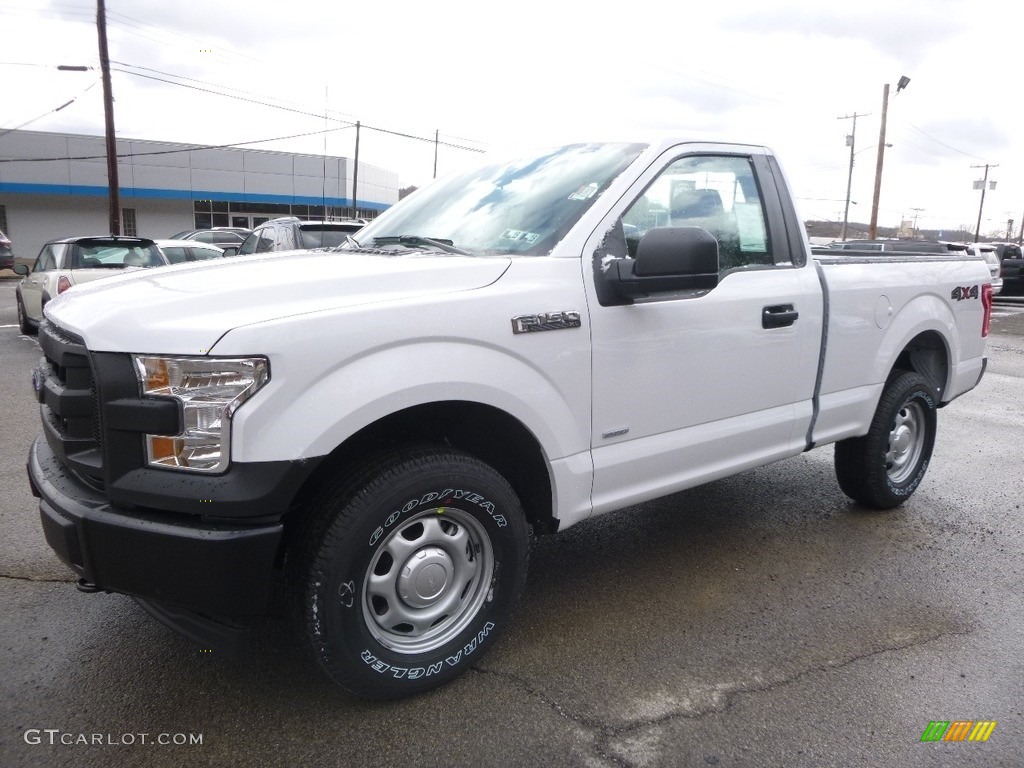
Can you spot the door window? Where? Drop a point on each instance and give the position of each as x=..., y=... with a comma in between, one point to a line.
x=718, y=193
x=46, y=260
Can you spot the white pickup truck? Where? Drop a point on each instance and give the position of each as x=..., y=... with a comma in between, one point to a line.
x=510, y=350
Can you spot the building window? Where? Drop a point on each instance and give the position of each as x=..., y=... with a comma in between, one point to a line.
x=3, y=219
x=128, y=225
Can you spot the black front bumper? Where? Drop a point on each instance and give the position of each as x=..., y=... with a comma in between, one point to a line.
x=179, y=565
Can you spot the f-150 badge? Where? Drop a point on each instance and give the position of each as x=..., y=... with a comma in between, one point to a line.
x=545, y=321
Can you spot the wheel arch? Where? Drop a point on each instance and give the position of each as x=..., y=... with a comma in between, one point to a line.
x=483, y=431
x=928, y=355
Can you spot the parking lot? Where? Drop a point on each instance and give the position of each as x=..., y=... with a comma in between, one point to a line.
x=761, y=620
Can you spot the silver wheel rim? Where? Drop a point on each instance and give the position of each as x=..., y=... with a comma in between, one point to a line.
x=906, y=442
x=427, y=581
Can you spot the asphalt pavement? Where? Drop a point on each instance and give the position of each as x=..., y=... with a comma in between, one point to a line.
x=762, y=620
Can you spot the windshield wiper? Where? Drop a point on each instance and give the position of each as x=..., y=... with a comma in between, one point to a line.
x=441, y=244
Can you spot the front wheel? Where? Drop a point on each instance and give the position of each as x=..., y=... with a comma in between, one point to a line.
x=24, y=326
x=885, y=466
x=410, y=571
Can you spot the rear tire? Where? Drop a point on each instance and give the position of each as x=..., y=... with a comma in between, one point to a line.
x=884, y=467
x=409, y=570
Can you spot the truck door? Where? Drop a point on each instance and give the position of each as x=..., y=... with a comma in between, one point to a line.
x=690, y=386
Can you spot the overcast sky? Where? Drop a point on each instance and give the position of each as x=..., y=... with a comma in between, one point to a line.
x=488, y=75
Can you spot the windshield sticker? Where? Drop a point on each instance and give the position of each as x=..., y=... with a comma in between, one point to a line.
x=518, y=234
x=585, y=192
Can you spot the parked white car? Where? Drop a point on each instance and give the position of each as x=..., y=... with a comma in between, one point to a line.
x=73, y=260
x=988, y=252
x=181, y=251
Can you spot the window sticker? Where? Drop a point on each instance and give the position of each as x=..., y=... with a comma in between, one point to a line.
x=585, y=192
x=518, y=234
x=751, y=226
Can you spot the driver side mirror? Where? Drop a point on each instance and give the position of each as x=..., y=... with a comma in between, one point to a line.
x=21, y=269
x=667, y=259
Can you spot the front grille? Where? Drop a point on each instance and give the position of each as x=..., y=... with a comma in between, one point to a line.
x=69, y=403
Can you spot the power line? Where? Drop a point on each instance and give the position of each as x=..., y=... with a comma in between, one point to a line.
x=49, y=112
x=195, y=148
x=947, y=146
x=430, y=140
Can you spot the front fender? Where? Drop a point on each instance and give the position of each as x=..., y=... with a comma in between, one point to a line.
x=308, y=415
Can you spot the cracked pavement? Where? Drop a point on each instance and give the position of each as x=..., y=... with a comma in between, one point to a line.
x=761, y=620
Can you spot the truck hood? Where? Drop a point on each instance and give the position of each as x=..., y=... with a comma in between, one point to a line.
x=186, y=308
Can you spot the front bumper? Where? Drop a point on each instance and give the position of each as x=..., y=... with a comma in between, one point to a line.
x=188, y=565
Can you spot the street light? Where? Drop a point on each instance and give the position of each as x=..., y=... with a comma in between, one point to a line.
x=900, y=85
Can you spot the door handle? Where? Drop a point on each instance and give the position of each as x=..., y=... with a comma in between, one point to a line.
x=778, y=316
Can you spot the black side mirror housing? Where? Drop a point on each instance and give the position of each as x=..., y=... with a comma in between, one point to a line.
x=21, y=269
x=667, y=259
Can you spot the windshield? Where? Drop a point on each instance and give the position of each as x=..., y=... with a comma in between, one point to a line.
x=521, y=206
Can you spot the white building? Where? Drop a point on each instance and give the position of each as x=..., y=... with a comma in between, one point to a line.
x=55, y=185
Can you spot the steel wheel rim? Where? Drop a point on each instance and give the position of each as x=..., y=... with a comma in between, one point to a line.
x=427, y=581
x=906, y=442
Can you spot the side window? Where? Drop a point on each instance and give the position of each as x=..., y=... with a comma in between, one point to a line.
x=45, y=261
x=265, y=240
x=249, y=245
x=286, y=239
x=718, y=193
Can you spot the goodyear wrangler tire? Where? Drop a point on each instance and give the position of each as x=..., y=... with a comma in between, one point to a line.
x=885, y=466
x=411, y=572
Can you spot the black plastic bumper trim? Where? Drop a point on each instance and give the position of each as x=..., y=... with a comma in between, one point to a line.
x=220, y=570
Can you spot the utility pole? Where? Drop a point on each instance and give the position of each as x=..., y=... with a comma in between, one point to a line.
x=355, y=179
x=916, y=212
x=900, y=85
x=984, y=185
x=851, y=139
x=873, y=228
x=108, y=113
x=1009, y=229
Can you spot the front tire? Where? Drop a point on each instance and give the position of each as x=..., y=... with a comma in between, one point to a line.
x=409, y=571
x=884, y=467
x=24, y=325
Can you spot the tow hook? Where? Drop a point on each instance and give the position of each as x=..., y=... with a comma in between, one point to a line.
x=89, y=588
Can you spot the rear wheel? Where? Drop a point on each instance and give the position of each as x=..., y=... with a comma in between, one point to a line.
x=409, y=571
x=885, y=466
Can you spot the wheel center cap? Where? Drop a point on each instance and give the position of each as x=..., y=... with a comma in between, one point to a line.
x=425, y=577
x=902, y=442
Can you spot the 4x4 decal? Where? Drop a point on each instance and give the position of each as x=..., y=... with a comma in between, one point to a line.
x=965, y=292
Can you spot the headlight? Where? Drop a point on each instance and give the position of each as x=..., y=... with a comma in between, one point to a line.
x=209, y=390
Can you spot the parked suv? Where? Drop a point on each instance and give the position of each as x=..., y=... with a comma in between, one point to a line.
x=290, y=233
x=1011, y=258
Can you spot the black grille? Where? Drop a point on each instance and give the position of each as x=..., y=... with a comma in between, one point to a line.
x=69, y=402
